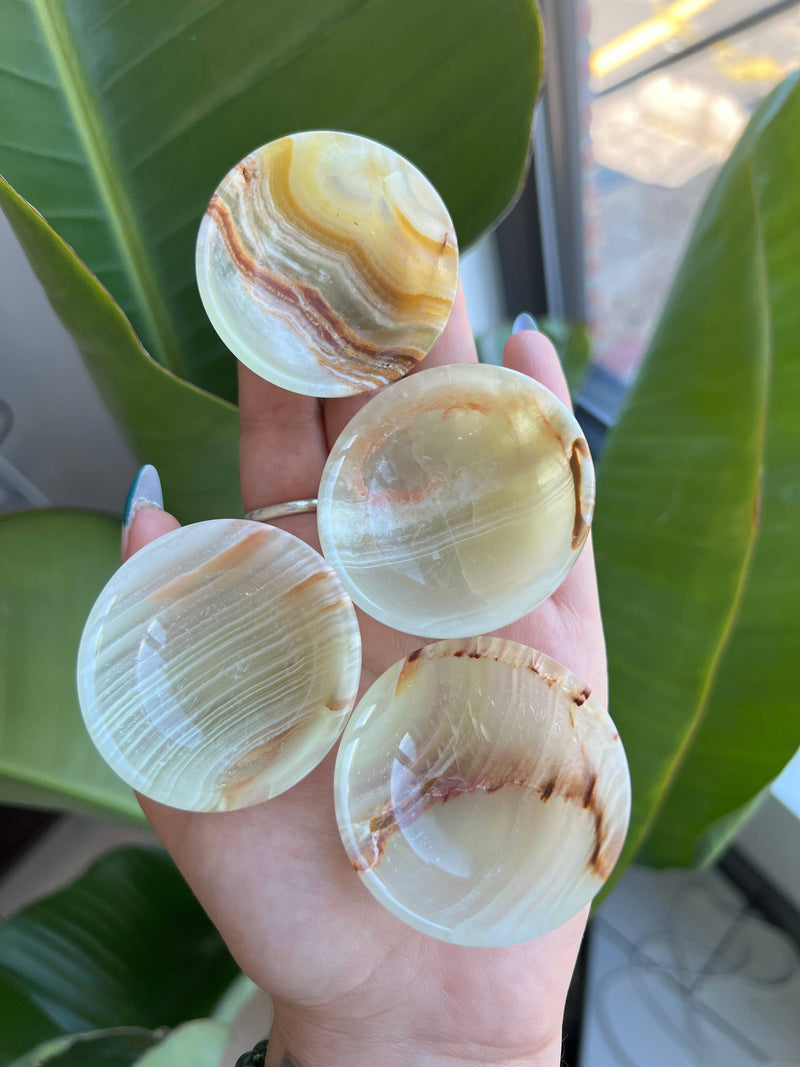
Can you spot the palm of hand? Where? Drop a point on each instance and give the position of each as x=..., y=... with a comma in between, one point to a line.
x=275, y=878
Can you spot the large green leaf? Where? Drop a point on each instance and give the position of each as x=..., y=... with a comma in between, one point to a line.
x=118, y=120
x=52, y=566
x=121, y=1046
x=21, y=1021
x=196, y=1044
x=696, y=531
x=125, y=945
x=189, y=435
x=234, y=1000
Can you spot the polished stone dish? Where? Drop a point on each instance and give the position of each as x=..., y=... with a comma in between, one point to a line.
x=457, y=500
x=219, y=665
x=482, y=792
x=327, y=263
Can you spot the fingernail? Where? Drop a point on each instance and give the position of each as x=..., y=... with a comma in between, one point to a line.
x=145, y=492
x=525, y=321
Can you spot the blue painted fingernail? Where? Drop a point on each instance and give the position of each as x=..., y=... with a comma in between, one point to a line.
x=145, y=492
x=525, y=321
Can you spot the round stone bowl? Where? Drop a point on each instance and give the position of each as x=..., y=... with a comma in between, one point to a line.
x=482, y=792
x=218, y=665
x=456, y=500
x=327, y=263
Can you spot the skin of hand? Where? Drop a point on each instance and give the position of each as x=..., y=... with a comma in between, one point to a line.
x=351, y=984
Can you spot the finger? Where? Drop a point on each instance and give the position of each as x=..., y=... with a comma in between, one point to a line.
x=282, y=447
x=147, y=525
x=456, y=345
x=144, y=519
x=533, y=354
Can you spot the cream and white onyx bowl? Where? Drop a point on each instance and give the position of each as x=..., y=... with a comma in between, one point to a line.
x=218, y=665
x=327, y=263
x=456, y=500
x=482, y=792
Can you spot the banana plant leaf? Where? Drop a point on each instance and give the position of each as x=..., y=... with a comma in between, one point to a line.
x=125, y=945
x=22, y=1022
x=53, y=564
x=200, y=1044
x=191, y=436
x=696, y=530
x=119, y=120
x=120, y=1046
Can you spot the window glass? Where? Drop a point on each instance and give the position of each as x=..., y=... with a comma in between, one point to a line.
x=671, y=88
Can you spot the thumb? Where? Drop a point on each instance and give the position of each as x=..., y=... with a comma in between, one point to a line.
x=145, y=519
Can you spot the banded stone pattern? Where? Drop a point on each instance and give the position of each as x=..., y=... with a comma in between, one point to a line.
x=219, y=665
x=457, y=500
x=482, y=792
x=327, y=263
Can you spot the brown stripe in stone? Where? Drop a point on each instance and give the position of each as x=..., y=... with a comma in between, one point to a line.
x=405, y=305
x=336, y=605
x=408, y=670
x=401, y=420
x=255, y=761
x=405, y=496
x=339, y=703
x=415, y=236
x=547, y=789
x=581, y=789
x=498, y=651
x=340, y=349
x=302, y=587
x=216, y=567
x=579, y=454
x=309, y=595
x=248, y=169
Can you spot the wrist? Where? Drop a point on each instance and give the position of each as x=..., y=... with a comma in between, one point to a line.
x=301, y=1045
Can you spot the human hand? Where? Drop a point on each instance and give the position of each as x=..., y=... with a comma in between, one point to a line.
x=350, y=983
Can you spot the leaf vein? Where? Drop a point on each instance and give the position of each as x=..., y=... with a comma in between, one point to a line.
x=22, y=76
x=122, y=71
x=238, y=87
x=106, y=171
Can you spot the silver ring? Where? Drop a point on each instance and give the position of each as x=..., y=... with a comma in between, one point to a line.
x=279, y=511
